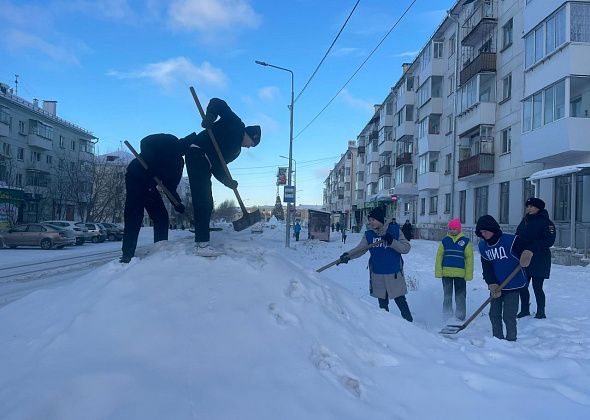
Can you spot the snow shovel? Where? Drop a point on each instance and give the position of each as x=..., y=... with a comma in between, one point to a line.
x=359, y=252
x=525, y=260
x=173, y=200
x=247, y=219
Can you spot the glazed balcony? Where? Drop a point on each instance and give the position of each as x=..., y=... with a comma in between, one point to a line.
x=403, y=159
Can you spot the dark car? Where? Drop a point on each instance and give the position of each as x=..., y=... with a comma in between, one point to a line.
x=114, y=232
x=37, y=234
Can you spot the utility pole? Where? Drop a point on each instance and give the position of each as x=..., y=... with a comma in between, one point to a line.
x=16, y=84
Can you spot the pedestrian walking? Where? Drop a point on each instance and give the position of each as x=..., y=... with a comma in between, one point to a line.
x=386, y=274
x=297, y=230
x=343, y=231
x=500, y=254
x=408, y=230
x=537, y=228
x=454, y=265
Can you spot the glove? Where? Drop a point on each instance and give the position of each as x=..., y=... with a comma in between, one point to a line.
x=208, y=120
x=344, y=258
x=231, y=184
x=495, y=291
x=387, y=238
x=180, y=208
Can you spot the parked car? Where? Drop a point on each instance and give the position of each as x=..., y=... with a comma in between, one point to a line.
x=80, y=232
x=114, y=232
x=37, y=234
x=96, y=233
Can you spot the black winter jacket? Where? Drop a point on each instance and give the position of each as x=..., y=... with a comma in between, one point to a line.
x=539, y=231
x=229, y=134
x=162, y=154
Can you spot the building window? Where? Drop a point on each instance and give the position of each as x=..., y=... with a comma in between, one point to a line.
x=49, y=159
x=422, y=206
x=462, y=205
x=452, y=42
x=433, y=204
x=438, y=49
x=73, y=145
x=62, y=142
x=35, y=156
x=504, y=202
x=507, y=140
x=563, y=185
x=61, y=164
x=580, y=97
x=544, y=107
x=547, y=36
x=448, y=163
x=409, y=112
x=451, y=83
x=507, y=34
x=6, y=149
x=529, y=189
x=447, y=203
x=580, y=22
x=20, y=153
x=21, y=127
x=19, y=180
x=481, y=202
x=507, y=87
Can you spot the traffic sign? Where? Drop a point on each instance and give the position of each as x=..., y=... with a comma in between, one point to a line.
x=289, y=194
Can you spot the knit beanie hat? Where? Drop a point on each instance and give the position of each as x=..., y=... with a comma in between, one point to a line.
x=487, y=222
x=455, y=224
x=535, y=202
x=378, y=214
x=254, y=132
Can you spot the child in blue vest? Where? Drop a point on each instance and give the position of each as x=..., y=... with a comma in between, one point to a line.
x=385, y=265
x=454, y=264
x=500, y=253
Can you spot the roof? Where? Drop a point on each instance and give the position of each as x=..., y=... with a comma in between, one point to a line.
x=562, y=170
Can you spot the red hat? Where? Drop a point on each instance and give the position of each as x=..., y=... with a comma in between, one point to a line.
x=455, y=224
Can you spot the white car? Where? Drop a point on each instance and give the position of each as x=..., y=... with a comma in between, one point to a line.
x=80, y=232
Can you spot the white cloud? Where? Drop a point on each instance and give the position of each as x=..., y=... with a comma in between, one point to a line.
x=344, y=51
x=19, y=40
x=410, y=54
x=176, y=70
x=268, y=93
x=355, y=102
x=212, y=15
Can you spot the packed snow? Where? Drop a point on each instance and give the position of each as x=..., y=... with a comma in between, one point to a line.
x=257, y=333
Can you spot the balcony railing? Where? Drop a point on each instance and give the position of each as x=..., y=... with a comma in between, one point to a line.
x=385, y=170
x=403, y=159
x=476, y=165
x=473, y=27
x=374, y=135
x=484, y=62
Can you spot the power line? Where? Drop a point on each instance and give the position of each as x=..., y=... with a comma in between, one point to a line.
x=359, y=68
x=327, y=52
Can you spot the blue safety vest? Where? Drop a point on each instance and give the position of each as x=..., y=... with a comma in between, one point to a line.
x=454, y=252
x=503, y=260
x=384, y=259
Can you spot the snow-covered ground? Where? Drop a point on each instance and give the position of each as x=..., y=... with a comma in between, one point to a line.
x=258, y=334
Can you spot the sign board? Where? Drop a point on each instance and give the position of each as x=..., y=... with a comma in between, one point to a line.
x=289, y=194
x=319, y=225
x=282, y=176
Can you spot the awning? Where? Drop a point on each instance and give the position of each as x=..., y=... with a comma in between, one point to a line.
x=562, y=170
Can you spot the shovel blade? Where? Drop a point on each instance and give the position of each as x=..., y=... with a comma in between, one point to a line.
x=451, y=329
x=247, y=220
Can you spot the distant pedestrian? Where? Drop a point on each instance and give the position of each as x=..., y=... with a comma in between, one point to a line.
x=343, y=231
x=333, y=227
x=408, y=230
x=337, y=226
x=296, y=230
x=500, y=254
x=539, y=230
x=385, y=265
x=454, y=264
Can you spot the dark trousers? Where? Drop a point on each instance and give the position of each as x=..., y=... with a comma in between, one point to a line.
x=460, y=286
x=525, y=296
x=401, y=303
x=504, y=309
x=296, y=236
x=137, y=199
x=199, y=176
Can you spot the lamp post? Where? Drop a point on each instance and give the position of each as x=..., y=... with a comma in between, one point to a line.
x=288, y=229
x=294, y=179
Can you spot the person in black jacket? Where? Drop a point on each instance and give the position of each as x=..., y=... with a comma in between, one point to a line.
x=163, y=156
x=408, y=230
x=539, y=230
x=202, y=161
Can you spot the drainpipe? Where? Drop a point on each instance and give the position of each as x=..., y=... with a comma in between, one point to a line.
x=455, y=158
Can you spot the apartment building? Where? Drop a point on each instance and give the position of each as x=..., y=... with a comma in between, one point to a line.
x=480, y=121
x=45, y=161
x=338, y=191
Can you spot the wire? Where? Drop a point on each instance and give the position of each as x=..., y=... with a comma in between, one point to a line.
x=359, y=68
x=327, y=52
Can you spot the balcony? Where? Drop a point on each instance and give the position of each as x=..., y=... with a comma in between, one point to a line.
x=38, y=167
x=374, y=135
x=428, y=181
x=479, y=23
x=403, y=159
x=481, y=113
x=385, y=170
x=36, y=140
x=360, y=150
x=480, y=164
x=484, y=62
x=540, y=145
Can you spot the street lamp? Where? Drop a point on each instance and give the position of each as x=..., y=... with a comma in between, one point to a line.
x=288, y=230
x=294, y=180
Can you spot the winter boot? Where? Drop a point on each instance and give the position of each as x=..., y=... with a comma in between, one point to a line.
x=124, y=260
x=404, y=309
x=203, y=249
x=540, y=314
x=524, y=311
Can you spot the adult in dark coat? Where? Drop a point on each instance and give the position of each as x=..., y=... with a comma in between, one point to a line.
x=408, y=230
x=539, y=230
x=202, y=161
x=163, y=156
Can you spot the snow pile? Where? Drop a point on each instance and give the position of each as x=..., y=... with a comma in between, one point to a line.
x=257, y=334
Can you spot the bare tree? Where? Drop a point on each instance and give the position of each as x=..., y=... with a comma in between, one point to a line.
x=11, y=194
x=226, y=210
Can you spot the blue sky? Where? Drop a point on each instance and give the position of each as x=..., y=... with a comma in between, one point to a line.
x=122, y=69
